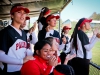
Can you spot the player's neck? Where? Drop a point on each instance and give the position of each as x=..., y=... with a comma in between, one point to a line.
x=16, y=25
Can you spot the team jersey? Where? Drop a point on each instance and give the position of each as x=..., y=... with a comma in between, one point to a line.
x=14, y=45
x=82, y=40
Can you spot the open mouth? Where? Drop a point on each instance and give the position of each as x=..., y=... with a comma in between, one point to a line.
x=48, y=56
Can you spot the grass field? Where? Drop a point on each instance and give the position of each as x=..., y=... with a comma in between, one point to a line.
x=96, y=53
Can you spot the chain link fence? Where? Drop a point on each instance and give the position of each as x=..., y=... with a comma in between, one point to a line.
x=94, y=69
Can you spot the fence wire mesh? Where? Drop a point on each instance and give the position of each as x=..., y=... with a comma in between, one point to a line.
x=94, y=69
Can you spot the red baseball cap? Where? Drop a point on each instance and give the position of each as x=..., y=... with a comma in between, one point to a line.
x=63, y=70
x=66, y=27
x=83, y=20
x=48, y=12
x=18, y=7
x=51, y=16
x=55, y=72
x=27, y=17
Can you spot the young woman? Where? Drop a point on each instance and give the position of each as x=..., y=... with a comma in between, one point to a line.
x=44, y=61
x=42, y=18
x=49, y=31
x=81, y=46
x=66, y=49
x=54, y=46
x=13, y=42
x=62, y=69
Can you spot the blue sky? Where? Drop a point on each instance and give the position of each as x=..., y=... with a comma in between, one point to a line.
x=80, y=8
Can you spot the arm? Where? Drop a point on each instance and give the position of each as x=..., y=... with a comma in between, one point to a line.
x=85, y=41
x=4, y=42
x=91, y=44
x=9, y=60
x=34, y=38
x=28, y=34
x=61, y=46
x=29, y=52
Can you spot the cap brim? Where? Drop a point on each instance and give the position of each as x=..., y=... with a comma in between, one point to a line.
x=88, y=20
x=56, y=72
x=27, y=18
x=18, y=9
x=25, y=9
x=57, y=17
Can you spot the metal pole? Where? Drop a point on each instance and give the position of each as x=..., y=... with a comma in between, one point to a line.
x=29, y=24
x=59, y=23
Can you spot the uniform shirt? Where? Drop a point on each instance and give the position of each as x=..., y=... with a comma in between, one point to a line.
x=42, y=23
x=67, y=45
x=82, y=39
x=14, y=45
x=38, y=66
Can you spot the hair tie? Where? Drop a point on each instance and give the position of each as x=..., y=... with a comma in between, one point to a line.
x=79, y=28
x=42, y=9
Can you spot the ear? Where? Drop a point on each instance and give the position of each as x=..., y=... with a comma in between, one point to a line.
x=12, y=16
x=37, y=52
x=48, y=22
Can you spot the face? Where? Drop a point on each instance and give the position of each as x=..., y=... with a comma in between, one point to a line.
x=87, y=25
x=45, y=52
x=23, y=25
x=52, y=22
x=55, y=45
x=66, y=31
x=19, y=17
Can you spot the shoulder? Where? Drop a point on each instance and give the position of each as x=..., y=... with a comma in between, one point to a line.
x=30, y=64
x=81, y=34
x=55, y=31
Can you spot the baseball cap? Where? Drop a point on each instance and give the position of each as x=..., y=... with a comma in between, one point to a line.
x=63, y=70
x=18, y=7
x=45, y=10
x=66, y=27
x=83, y=20
x=49, y=17
x=27, y=17
x=48, y=12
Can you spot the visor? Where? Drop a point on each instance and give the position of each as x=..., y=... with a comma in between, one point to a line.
x=57, y=73
x=27, y=18
x=51, y=16
x=85, y=20
x=48, y=12
x=18, y=8
x=66, y=27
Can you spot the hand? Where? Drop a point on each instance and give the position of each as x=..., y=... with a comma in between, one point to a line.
x=95, y=31
x=69, y=57
x=53, y=61
x=64, y=40
x=27, y=58
x=32, y=28
x=98, y=35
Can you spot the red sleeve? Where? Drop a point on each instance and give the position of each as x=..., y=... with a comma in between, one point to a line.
x=47, y=71
x=30, y=68
x=59, y=59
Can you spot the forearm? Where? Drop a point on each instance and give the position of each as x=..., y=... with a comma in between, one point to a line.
x=61, y=46
x=34, y=38
x=93, y=38
x=9, y=60
x=91, y=44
